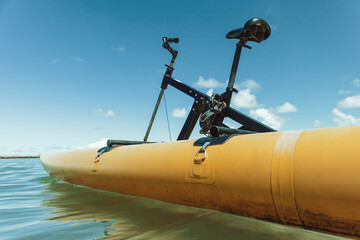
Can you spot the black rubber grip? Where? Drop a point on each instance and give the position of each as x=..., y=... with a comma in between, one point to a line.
x=174, y=40
x=111, y=143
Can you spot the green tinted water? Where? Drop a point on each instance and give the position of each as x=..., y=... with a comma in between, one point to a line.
x=35, y=206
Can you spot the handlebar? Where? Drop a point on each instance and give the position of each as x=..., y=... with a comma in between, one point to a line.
x=167, y=40
x=174, y=40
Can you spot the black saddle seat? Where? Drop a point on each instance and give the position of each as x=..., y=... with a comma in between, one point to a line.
x=255, y=30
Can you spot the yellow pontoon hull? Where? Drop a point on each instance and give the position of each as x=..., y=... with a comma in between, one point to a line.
x=307, y=178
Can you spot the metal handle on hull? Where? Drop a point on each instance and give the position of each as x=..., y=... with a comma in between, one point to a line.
x=201, y=150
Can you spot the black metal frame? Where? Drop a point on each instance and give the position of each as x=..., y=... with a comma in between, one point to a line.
x=200, y=105
x=254, y=30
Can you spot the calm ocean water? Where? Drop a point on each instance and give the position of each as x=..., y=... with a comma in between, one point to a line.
x=35, y=206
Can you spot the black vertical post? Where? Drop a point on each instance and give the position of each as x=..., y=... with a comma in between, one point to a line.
x=230, y=88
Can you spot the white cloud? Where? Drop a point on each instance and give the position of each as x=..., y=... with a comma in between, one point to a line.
x=55, y=60
x=3, y=148
x=35, y=151
x=350, y=102
x=79, y=59
x=179, y=113
x=267, y=117
x=317, y=123
x=118, y=49
x=102, y=113
x=207, y=83
x=355, y=82
x=210, y=92
x=286, y=108
x=344, y=120
x=250, y=84
x=99, y=144
x=56, y=147
x=344, y=91
x=245, y=99
x=110, y=113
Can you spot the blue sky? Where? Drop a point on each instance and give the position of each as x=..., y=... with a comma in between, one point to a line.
x=74, y=73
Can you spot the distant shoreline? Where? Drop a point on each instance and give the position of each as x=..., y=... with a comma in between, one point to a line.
x=19, y=157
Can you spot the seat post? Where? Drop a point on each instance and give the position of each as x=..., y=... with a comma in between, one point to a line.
x=256, y=30
x=230, y=88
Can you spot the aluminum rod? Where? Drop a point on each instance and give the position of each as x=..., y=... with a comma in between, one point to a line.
x=154, y=114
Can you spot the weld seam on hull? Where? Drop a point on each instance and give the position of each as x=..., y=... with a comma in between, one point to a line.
x=281, y=179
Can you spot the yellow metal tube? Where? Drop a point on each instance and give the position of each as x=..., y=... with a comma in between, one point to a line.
x=307, y=178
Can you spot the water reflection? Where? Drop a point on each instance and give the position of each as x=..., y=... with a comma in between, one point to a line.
x=124, y=217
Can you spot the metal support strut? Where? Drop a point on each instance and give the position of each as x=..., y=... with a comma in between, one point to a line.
x=169, y=71
x=154, y=114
